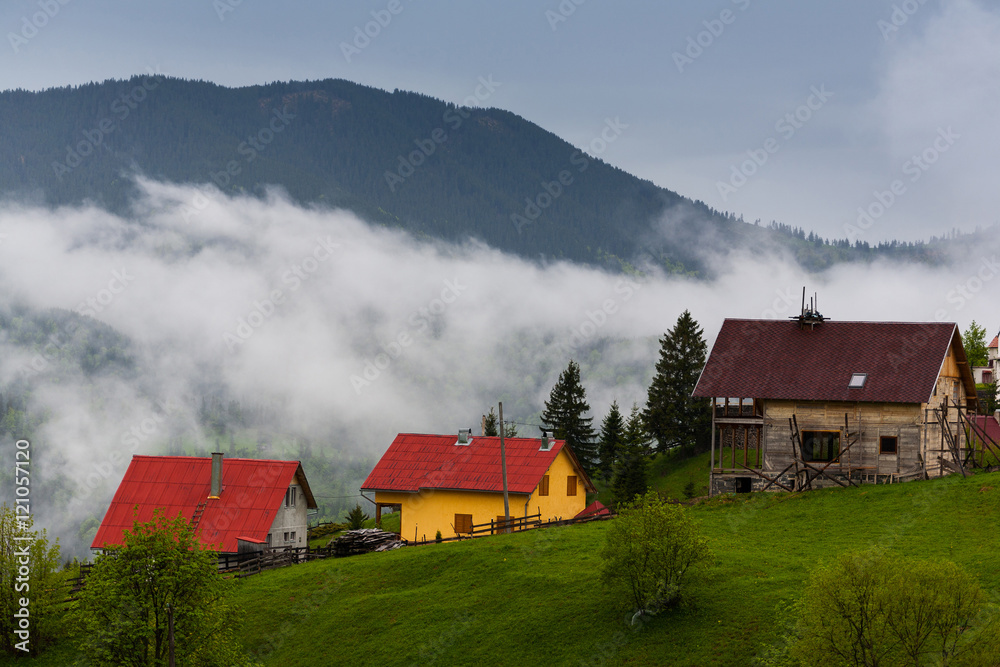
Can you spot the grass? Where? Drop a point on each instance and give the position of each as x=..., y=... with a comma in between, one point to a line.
x=536, y=597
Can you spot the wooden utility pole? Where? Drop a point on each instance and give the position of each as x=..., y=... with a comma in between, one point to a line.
x=503, y=467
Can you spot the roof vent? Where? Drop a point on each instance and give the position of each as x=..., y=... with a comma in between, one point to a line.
x=546, y=441
x=464, y=436
x=857, y=380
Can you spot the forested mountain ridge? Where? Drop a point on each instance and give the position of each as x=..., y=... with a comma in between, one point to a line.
x=400, y=159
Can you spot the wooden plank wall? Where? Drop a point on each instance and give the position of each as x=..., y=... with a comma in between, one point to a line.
x=872, y=420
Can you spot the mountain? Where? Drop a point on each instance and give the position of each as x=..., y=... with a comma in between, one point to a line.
x=399, y=159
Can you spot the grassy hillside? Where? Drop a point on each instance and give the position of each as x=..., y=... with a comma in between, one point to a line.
x=536, y=598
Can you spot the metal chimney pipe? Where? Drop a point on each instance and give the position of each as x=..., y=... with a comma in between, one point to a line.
x=216, y=475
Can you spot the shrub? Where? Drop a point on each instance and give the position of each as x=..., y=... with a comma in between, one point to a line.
x=868, y=608
x=437, y=537
x=649, y=549
x=689, y=490
x=356, y=518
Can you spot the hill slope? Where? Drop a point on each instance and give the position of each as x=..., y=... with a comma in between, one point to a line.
x=535, y=597
x=401, y=159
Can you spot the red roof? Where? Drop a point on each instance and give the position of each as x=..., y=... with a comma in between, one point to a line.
x=776, y=359
x=994, y=342
x=989, y=424
x=252, y=492
x=415, y=462
x=595, y=508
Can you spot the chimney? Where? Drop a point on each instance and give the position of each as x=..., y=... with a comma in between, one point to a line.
x=546, y=441
x=216, y=475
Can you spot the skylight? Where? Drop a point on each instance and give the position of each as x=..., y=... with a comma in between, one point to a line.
x=857, y=380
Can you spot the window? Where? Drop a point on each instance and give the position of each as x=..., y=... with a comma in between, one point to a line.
x=463, y=523
x=293, y=536
x=820, y=445
x=857, y=380
x=286, y=537
x=290, y=497
x=543, y=486
x=887, y=444
x=269, y=539
x=571, y=485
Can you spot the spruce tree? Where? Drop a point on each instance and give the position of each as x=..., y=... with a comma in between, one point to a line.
x=612, y=433
x=564, y=415
x=491, y=429
x=633, y=459
x=672, y=416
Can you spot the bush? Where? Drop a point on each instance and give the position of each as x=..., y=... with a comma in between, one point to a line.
x=873, y=609
x=356, y=518
x=649, y=549
x=689, y=490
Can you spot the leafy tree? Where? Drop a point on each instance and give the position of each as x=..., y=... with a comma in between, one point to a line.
x=648, y=550
x=974, y=342
x=672, y=416
x=564, y=415
x=37, y=586
x=633, y=460
x=123, y=609
x=492, y=426
x=356, y=518
x=867, y=608
x=612, y=436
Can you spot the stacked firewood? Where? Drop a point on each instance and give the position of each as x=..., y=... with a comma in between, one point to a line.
x=365, y=540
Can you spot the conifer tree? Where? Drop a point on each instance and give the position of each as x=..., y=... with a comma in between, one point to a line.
x=564, y=415
x=612, y=434
x=492, y=429
x=672, y=417
x=633, y=459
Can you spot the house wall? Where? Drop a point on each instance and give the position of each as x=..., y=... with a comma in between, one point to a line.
x=426, y=512
x=871, y=420
x=291, y=519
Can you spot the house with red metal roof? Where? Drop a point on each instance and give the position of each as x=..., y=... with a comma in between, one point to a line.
x=447, y=483
x=811, y=402
x=236, y=505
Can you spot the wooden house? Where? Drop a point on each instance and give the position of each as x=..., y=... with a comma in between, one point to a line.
x=236, y=506
x=811, y=402
x=447, y=483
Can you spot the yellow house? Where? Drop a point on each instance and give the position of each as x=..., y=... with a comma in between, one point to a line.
x=447, y=483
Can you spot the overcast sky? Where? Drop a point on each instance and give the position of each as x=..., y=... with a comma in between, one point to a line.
x=839, y=97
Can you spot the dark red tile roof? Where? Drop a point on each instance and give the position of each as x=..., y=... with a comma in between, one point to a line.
x=414, y=461
x=776, y=359
x=253, y=491
x=994, y=342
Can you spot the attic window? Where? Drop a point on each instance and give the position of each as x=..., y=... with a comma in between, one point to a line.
x=464, y=436
x=857, y=380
